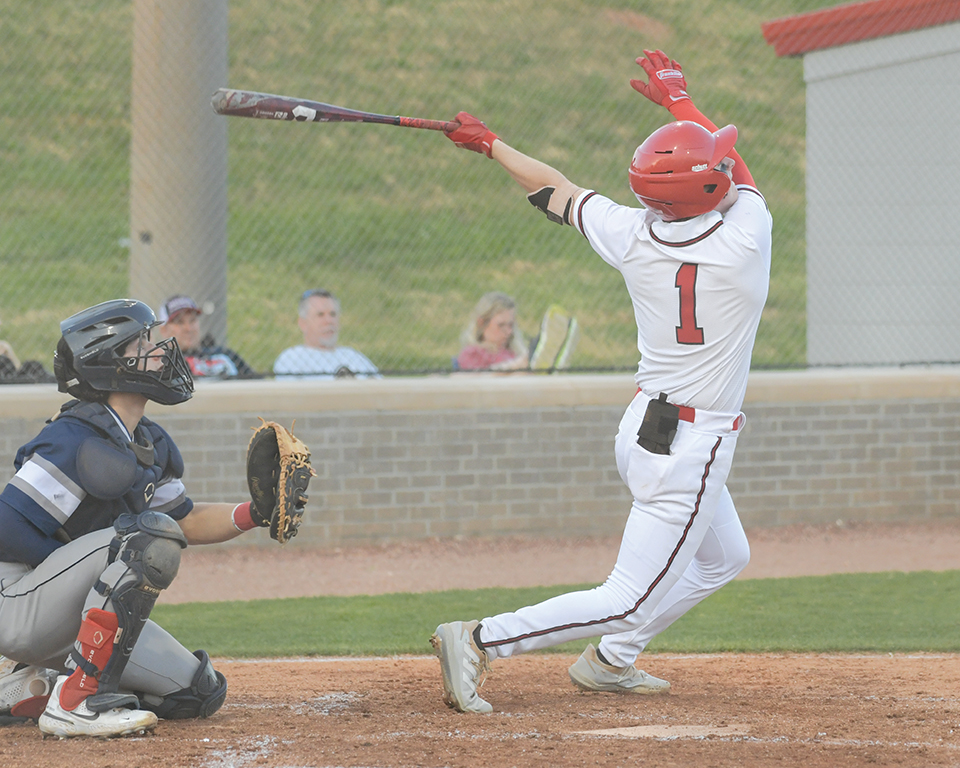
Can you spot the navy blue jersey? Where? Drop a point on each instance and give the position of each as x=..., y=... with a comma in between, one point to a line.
x=58, y=494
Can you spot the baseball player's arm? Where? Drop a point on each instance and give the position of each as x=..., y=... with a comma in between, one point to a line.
x=547, y=188
x=532, y=174
x=667, y=87
x=209, y=523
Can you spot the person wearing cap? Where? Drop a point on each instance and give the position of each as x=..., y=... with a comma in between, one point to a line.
x=320, y=357
x=180, y=318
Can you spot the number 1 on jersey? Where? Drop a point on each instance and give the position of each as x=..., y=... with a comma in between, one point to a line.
x=687, y=331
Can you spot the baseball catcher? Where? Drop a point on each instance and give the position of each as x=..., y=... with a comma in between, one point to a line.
x=92, y=527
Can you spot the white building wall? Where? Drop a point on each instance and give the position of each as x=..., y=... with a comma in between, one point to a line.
x=883, y=200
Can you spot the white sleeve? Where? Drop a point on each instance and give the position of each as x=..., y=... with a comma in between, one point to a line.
x=749, y=219
x=609, y=227
x=169, y=495
x=284, y=363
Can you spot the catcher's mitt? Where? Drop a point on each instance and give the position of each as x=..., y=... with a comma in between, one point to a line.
x=278, y=472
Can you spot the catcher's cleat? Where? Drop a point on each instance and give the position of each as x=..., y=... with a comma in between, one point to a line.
x=81, y=721
x=588, y=673
x=24, y=689
x=462, y=664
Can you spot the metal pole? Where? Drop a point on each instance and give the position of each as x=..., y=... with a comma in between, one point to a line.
x=178, y=156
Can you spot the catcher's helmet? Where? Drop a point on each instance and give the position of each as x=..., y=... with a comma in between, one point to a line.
x=90, y=362
x=674, y=170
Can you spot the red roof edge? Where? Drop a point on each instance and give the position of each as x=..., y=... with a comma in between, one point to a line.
x=851, y=23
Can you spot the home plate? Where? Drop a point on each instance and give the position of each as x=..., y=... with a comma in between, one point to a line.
x=670, y=731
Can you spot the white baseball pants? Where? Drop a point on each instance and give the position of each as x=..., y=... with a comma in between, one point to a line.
x=682, y=542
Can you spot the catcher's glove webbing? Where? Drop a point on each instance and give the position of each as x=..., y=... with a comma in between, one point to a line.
x=278, y=472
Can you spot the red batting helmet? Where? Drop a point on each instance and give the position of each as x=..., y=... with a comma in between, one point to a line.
x=674, y=170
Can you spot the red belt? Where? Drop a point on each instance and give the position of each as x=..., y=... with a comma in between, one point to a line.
x=686, y=412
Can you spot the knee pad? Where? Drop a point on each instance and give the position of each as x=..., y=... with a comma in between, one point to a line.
x=150, y=545
x=158, y=562
x=204, y=696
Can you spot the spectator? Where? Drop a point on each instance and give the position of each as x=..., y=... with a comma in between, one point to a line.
x=491, y=341
x=12, y=372
x=180, y=318
x=319, y=357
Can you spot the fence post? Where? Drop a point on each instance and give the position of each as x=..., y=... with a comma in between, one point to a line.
x=178, y=156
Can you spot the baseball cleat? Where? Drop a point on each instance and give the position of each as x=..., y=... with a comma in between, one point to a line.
x=24, y=689
x=462, y=664
x=62, y=723
x=588, y=673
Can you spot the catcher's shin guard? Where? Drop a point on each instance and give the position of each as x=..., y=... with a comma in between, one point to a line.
x=95, y=642
x=149, y=545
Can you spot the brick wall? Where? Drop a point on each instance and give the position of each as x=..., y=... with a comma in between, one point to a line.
x=533, y=455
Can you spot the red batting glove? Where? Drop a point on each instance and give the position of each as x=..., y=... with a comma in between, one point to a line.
x=667, y=84
x=472, y=134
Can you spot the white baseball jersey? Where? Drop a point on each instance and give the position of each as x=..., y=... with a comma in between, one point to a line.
x=698, y=288
x=313, y=363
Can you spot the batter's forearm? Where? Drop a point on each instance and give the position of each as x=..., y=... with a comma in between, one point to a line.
x=687, y=110
x=529, y=173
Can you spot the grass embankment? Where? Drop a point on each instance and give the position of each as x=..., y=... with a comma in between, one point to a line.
x=844, y=613
x=405, y=228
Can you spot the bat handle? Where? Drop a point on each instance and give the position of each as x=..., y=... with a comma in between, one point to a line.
x=430, y=125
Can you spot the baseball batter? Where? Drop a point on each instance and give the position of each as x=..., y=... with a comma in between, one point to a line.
x=91, y=530
x=696, y=263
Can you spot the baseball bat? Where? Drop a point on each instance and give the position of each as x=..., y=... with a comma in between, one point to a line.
x=269, y=106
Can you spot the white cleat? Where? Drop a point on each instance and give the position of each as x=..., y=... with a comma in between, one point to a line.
x=588, y=673
x=462, y=665
x=64, y=724
x=24, y=685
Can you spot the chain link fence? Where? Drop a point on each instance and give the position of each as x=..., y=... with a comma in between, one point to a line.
x=404, y=228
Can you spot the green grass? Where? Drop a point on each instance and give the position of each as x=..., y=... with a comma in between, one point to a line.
x=880, y=612
x=406, y=229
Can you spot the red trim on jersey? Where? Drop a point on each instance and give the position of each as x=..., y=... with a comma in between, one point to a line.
x=653, y=584
x=753, y=190
x=578, y=214
x=691, y=241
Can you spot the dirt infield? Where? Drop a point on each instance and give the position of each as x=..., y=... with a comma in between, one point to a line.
x=816, y=711
x=810, y=711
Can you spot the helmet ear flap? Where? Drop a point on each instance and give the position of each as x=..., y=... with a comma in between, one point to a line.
x=68, y=380
x=718, y=185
